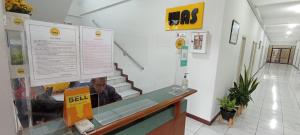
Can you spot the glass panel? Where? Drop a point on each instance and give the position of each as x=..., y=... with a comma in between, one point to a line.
x=134, y=107
x=107, y=117
x=19, y=83
x=275, y=56
x=284, y=56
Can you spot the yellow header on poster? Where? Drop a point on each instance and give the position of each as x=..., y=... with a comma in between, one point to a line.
x=185, y=17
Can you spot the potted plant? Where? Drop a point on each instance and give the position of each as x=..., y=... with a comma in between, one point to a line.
x=18, y=11
x=227, y=108
x=18, y=6
x=242, y=90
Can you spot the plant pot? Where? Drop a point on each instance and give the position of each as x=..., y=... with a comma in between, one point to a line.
x=239, y=110
x=226, y=115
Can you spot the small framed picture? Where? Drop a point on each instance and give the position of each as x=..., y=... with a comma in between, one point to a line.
x=234, y=35
x=199, y=42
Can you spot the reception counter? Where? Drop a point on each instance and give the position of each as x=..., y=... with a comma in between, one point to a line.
x=159, y=112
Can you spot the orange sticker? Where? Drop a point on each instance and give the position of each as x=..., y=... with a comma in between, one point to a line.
x=77, y=105
x=98, y=33
x=180, y=42
x=18, y=21
x=54, y=32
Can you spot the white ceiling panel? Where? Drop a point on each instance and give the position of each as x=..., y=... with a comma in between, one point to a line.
x=279, y=10
x=279, y=17
x=271, y=2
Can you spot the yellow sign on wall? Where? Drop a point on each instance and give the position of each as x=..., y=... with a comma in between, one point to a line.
x=77, y=105
x=185, y=17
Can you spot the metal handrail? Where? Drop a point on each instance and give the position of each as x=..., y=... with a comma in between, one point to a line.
x=125, y=53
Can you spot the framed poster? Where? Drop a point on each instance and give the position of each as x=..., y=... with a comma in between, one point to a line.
x=199, y=41
x=234, y=34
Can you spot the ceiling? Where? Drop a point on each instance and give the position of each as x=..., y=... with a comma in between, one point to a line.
x=49, y=10
x=281, y=19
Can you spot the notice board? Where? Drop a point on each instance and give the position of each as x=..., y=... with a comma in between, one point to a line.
x=53, y=52
x=96, y=50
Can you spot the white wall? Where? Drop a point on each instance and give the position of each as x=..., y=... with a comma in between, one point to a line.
x=202, y=67
x=139, y=28
x=296, y=61
x=229, y=54
x=50, y=10
x=7, y=121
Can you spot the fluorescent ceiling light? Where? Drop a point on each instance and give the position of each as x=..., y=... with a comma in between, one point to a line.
x=289, y=32
x=295, y=8
x=292, y=26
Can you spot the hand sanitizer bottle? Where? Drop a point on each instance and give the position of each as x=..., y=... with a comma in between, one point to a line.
x=184, y=83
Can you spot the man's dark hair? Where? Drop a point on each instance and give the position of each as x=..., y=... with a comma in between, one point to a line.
x=99, y=78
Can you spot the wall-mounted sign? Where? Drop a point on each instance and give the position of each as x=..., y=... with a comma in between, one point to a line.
x=234, y=34
x=199, y=41
x=77, y=105
x=185, y=17
x=180, y=42
x=184, y=56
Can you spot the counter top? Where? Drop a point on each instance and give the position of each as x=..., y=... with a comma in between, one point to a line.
x=113, y=116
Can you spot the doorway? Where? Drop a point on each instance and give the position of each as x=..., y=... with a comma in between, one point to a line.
x=241, y=58
x=252, y=57
x=282, y=55
x=261, y=47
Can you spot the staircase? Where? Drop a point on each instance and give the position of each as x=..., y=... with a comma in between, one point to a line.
x=123, y=86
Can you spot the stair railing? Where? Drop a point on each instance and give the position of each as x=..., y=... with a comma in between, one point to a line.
x=125, y=53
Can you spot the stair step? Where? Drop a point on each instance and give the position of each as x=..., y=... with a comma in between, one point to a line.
x=115, y=80
x=130, y=93
x=116, y=73
x=120, y=87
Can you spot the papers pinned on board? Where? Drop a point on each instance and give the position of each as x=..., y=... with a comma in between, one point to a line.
x=56, y=54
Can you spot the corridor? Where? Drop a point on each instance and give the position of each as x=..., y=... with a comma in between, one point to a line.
x=275, y=109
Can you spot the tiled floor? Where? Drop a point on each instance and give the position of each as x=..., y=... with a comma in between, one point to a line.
x=275, y=110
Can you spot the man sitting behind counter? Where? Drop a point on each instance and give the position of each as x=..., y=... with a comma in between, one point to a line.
x=101, y=93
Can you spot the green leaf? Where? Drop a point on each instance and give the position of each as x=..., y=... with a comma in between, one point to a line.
x=241, y=91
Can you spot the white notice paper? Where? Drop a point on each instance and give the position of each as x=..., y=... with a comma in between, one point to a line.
x=96, y=52
x=53, y=52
